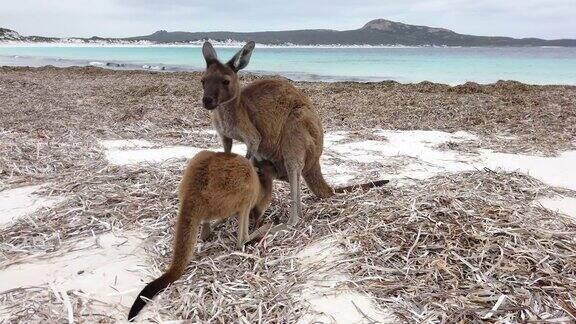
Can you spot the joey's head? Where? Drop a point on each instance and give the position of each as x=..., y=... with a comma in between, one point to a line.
x=220, y=81
x=266, y=171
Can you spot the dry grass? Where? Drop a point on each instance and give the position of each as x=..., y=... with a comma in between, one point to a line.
x=162, y=106
x=540, y=117
x=466, y=246
x=447, y=248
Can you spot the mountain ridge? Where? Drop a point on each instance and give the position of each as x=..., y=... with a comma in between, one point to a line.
x=376, y=32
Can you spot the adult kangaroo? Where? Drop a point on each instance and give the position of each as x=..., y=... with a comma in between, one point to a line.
x=275, y=121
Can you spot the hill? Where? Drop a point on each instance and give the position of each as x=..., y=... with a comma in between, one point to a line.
x=375, y=32
x=8, y=34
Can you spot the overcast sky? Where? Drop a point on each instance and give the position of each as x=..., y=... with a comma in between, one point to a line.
x=118, y=18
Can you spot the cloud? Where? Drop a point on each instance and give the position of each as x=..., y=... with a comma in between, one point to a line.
x=517, y=18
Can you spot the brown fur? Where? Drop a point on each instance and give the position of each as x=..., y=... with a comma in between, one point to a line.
x=214, y=186
x=273, y=118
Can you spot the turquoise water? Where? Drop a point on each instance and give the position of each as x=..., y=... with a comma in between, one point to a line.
x=534, y=65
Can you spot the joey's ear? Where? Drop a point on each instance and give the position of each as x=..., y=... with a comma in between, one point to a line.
x=255, y=163
x=258, y=165
x=241, y=59
x=209, y=53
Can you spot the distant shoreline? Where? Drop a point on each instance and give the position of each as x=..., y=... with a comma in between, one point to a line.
x=215, y=44
x=376, y=33
x=158, y=67
x=234, y=45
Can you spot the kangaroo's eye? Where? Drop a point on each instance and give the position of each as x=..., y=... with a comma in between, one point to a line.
x=225, y=82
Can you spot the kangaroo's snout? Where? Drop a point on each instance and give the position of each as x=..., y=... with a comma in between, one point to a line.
x=209, y=103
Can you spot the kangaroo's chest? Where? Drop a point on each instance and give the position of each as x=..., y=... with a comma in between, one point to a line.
x=226, y=125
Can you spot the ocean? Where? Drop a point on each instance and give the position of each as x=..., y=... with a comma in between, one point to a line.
x=450, y=65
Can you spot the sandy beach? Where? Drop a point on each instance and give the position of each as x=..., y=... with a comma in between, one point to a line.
x=477, y=223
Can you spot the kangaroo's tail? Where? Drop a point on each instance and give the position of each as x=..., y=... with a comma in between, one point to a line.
x=363, y=186
x=316, y=183
x=184, y=244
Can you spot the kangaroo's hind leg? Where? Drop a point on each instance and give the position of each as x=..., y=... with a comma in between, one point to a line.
x=294, y=169
x=208, y=228
x=243, y=224
x=294, y=153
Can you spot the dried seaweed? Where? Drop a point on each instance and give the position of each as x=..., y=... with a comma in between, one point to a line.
x=468, y=247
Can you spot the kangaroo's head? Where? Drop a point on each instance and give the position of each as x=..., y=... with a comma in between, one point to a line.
x=220, y=81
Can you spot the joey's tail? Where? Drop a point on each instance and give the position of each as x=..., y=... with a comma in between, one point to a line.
x=363, y=186
x=184, y=244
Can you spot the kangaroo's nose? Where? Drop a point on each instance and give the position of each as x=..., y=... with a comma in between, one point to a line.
x=208, y=102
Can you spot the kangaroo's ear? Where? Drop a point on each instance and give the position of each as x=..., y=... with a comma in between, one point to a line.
x=241, y=59
x=209, y=53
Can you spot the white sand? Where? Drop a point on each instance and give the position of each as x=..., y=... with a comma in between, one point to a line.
x=19, y=202
x=560, y=204
x=424, y=160
x=556, y=171
x=106, y=269
x=417, y=144
x=204, y=132
x=122, y=157
x=416, y=148
x=125, y=144
x=328, y=305
x=125, y=152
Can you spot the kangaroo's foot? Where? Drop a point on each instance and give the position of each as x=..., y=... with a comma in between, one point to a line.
x=259, y=233
x=208, y=229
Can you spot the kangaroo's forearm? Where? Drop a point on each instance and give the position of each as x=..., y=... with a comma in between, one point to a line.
x=227, y=143
x=252, y=138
